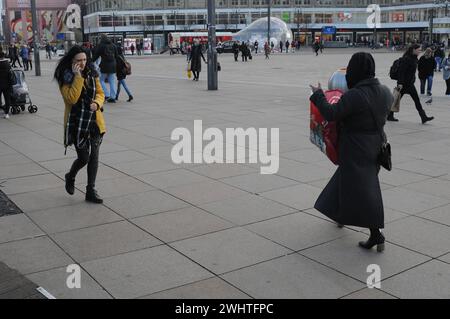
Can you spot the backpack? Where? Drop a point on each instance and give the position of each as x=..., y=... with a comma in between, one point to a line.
x=393, y=72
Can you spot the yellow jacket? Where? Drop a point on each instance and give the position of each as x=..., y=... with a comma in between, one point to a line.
x=72, y=92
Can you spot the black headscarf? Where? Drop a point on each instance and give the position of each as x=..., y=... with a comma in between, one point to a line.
x=360, y=67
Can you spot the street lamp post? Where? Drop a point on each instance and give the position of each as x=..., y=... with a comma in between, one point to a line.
x=269, y=4
x=37, y=60
x=114, y=27
x=212, y=53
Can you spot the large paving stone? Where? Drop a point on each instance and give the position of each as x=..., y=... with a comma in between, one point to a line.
x=55, y=282
x=46, y=199
x=143, y=167
x=180, y=224
x=31, y=183
x=120, y=187
x=204, y=192
x=17, y=227
x=140, y=273
x=104, y=241
x=345, y=256
x=142, y=204
x=21, y=170
x=298, y=231
x=33, y=255
x=257, y=183
x=428, y=281
x=411, y=202
x=229, y=249
x=171, y=178
x=292, y=277
x=217, y=171
x=73, y=217
x=369, y=293
x=300, y=196
x=213, y=288
x=440, y=215
x=427, y=237
x=247, y=209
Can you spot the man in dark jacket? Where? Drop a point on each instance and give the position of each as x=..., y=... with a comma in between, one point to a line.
x=243, y=49
x=5, y=83
x=439, y=55
x=353, y=195
x=426, y=67
x=107, y=51
x=406, y=78
x=236, y=51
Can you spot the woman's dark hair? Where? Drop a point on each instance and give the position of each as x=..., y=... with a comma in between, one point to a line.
x=66, y=64
x=411, y=48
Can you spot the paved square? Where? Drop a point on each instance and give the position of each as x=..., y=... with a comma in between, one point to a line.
x=221, y=230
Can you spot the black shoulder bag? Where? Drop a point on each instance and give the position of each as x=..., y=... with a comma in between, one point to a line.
x=385, y=155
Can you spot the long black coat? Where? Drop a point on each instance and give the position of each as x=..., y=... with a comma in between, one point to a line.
x=353, y=195
x=407, y=70
x=196, y=55
x=5, y=68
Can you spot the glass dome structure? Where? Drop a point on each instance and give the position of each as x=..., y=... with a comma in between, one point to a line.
x=257, y=31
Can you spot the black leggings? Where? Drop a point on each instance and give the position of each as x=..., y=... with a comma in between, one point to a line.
x=6, y=92
x=89, y=158
x=196, y=74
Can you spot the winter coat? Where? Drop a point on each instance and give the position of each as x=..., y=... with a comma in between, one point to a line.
x=5, y=68
x=353, y=195
x=120, y=71
x=426, y=67
x=407, y=70
x=71, y=94
x=446, y=67
x=196, y=55
x=108, y=52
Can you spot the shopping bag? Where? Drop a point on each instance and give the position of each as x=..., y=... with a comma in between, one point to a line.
x=397, y=97
x=189, y=74
x=324, y=134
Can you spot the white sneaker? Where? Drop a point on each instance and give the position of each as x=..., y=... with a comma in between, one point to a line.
x=6, y=116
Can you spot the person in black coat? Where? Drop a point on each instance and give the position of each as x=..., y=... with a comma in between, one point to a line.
x=5, y=83
x=426, y=67
x=353, y=195
x=107, y=51
x=244, y=51
x=236, y=51
x=121, y=76
x=406, y=78
x=196, y=63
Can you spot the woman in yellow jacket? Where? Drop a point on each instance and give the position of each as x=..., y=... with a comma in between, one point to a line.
x=84, y=124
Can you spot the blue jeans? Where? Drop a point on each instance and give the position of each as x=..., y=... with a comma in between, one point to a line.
x=438, y=63
x=112, y=83
x=429, y=80
x=125, y=86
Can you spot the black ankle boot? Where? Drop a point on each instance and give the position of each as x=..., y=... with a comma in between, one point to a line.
x=427, y=119
x=70, y=184
x=130, y=98
x=376, y=238
x=92, y=196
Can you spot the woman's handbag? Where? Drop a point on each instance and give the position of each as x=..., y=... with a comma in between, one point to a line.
x=188, y=70
x=397, y=97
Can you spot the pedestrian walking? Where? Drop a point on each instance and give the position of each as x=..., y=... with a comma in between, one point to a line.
x=30, y=58
x=426, y=67
x=132, y=49
x=5, y=83
x=287, y=46
x=281, y=46
x=243, y=49
x=84, y=125
x=267, y=50
x=195, y=59
x=353, y=195
x=255, y=45
x=107, y=51
x=24, y=56
x=15, y=54
x=236, y=51
x=439, y=55
x=407, y=78
x=48, y=51
x=122, y=66
x=316, y=47
x=446, y=73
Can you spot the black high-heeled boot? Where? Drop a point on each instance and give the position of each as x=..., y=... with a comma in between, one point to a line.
x=92, y=196
x=376, y=238
x=70, y=184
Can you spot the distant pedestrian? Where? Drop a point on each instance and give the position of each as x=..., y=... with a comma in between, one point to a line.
x=426, y=67
x=255, y=45
x=195, y=59
x=48, y=51
x=287, y=46
x=24, y=55
x=5, y=83
x=446, y=73
x=266, y=50
x=30, y=58
x=281, y=46
x=406, y=79
x=235, y=48
x=244, y=53
x=132, y=49
x=121, y=73
x=272, y=46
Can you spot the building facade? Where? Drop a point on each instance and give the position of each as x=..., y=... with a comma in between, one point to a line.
x=401, y=20
x=18, y=21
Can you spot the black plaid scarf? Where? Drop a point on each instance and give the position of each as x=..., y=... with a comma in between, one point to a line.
x=81, y=118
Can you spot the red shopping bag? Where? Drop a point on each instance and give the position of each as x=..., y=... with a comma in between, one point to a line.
x=324, y=134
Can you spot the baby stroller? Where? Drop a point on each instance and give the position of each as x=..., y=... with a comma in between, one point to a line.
x=20, y=96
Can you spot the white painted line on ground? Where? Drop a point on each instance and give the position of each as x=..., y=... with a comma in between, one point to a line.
x=45, y=293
